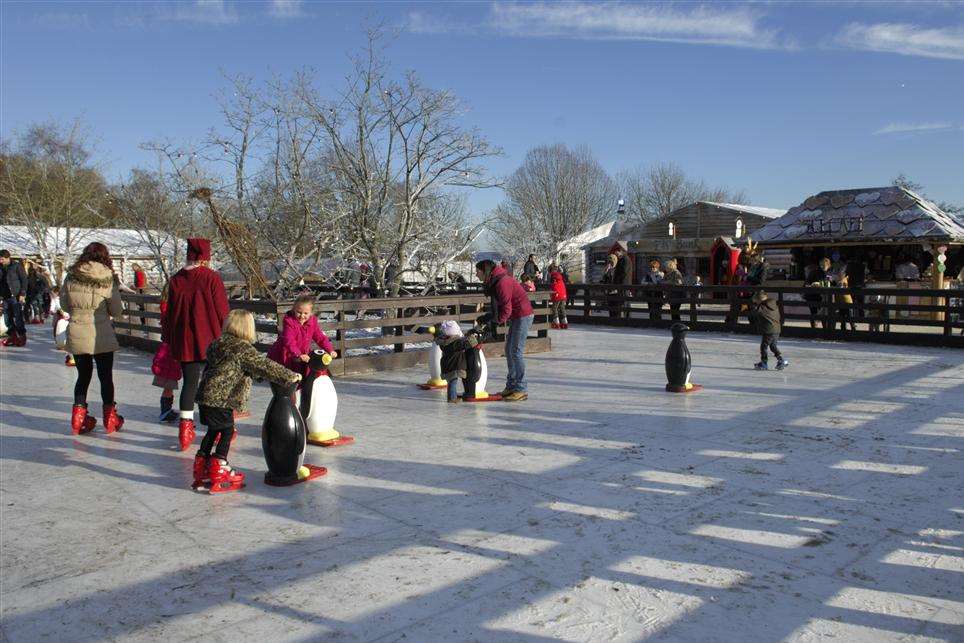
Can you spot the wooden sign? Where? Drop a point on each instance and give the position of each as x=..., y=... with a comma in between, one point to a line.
x=829, y=227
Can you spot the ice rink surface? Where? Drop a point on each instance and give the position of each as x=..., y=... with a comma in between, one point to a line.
x=825, y=501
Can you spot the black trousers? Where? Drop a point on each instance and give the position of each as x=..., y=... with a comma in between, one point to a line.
x=219, y=422
x=769, y=341
x=85, y=372
x=192, y=377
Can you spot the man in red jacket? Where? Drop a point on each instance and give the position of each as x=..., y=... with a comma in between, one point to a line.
x=508, y=303
x=197, y=306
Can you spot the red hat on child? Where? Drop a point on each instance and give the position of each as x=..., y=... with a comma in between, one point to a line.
x=198, y=249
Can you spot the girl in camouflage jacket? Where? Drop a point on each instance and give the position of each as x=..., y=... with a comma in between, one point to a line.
x=232, y=361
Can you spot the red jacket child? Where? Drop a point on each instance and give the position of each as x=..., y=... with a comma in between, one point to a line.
x=295, y=340
x=558, y=286
x=197, y=307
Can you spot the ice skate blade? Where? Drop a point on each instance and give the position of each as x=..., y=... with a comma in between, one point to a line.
x=493, y=397
x=226, y=487
x=682, y=389
x=432, y=387
x=316, y=472
x=340, y=441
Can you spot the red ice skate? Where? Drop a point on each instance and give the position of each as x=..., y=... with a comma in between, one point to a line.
x=185, y=433
x=223, y=477
x=80, y=421
x=11, y=340
x=112, y=421
x=201, y=478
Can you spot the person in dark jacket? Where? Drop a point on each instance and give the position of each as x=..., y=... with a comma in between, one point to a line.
x=454, y=362
x=197, y=306
x=766, y=316
x=816, y=276
x=37, y=288
x=655, y=303
x=510, y=304
x=530, y=267
x=13, y=291
x=674, y=277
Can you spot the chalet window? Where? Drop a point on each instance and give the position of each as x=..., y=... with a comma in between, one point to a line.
x=672, y=229
x=739, y=229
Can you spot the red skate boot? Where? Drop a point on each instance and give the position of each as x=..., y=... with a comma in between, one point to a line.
x=112, y=421
x=80, y=422
x=11, y=340
x=223, y=477
x=201, y=478
x=185, y=433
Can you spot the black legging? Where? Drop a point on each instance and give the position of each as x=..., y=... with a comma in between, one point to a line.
x=192, y=376
x=85, y=372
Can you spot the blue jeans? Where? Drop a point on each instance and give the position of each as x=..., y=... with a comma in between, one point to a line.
x=453, y=388
x=515, y=347
x=13, y=312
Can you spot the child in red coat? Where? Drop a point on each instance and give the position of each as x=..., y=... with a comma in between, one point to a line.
x=300, y=329
x=557, y=284
x=167, y=371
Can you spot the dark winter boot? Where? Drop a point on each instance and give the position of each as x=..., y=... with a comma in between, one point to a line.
x=80, y=421
x=112, y=421
x=167, y=409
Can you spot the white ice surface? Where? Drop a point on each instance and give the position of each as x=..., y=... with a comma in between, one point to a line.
x=823, y=501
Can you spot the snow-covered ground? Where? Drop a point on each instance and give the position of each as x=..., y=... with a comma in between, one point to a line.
x=823, y=501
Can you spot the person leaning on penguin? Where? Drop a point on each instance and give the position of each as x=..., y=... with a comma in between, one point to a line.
x=766, y=316
x=455, y=345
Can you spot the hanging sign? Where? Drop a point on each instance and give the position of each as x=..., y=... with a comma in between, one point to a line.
x=819, y=226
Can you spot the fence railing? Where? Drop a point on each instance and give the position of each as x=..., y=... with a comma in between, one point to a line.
x=886, y=315
x=369, y=334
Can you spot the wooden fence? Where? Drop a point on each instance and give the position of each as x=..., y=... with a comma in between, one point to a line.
x=882, y=315
x=369, y=334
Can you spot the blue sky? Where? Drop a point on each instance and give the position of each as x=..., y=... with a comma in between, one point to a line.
x=781, y=99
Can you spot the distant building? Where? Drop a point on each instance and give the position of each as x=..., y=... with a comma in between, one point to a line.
x=688, y=234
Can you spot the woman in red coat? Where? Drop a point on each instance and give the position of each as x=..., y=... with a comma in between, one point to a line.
x=197, y=306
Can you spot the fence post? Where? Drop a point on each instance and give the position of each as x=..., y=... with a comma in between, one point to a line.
x=692, y=291
x=947, y=318
x=732, y=318
x=340, y=338
x=542, y=318
x=586, y=301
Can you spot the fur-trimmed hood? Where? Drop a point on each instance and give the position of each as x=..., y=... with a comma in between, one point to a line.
x=92, y=273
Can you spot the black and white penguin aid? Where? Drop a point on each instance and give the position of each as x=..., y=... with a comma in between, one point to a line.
x=679, y=364
x=318, y=403
x=283, y=441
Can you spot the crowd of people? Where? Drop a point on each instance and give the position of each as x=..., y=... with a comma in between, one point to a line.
x=207, y=349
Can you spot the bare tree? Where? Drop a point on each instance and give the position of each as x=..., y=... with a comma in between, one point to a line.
x=446, y=235
x=654, y=192
x=392, y=148
x=150, y=205
x=556, y=194
x=49, y=184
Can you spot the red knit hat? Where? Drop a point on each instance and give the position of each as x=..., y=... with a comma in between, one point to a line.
x=198, y=250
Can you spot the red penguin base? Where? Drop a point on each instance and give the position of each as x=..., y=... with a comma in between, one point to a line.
x=430, y=387
x=316, y=472
x=242, y=415
x=682, y=389
x=340, y=441
x=494, y=397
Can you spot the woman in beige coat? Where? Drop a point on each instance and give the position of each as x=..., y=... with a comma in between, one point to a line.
x=91, y=296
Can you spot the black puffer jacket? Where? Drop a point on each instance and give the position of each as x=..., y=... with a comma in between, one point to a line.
x=766, y=317
x=453, y=355
x=14, y=283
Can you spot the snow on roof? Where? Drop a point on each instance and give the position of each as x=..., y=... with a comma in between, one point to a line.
x=20, y=241
x=861, y=215
x=769, y=213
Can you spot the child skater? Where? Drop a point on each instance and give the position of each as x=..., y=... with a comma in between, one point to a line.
x=300, y=329
x=766, y=315
x=557, y=284
x=528, y=283
x=454, y=346
x=232, y=361
x=60, y=330
x=167, y=371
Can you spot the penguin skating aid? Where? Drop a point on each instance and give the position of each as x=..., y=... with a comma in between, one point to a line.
x=435, y=381
x=679, y=365
x=318, y=403
x=283, y=439
x=477, y=375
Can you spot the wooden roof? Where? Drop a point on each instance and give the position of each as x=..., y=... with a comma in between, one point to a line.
x=869, y=215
